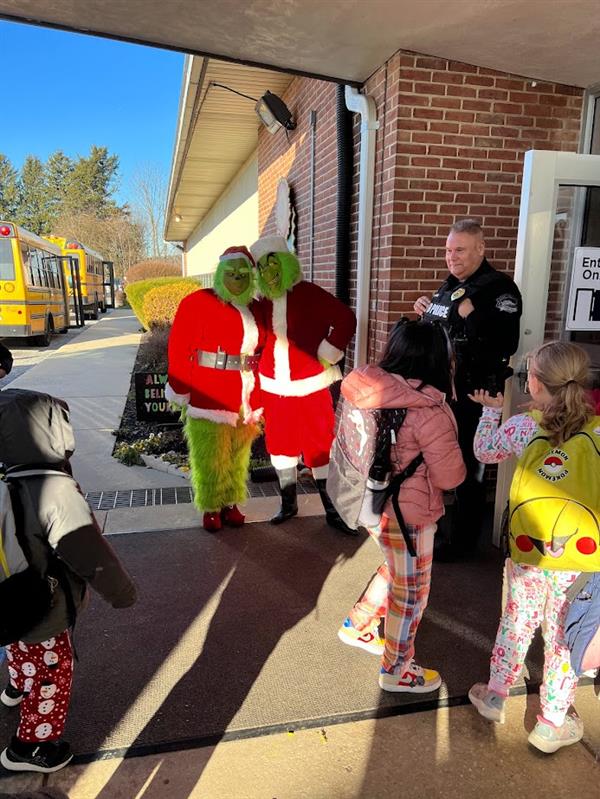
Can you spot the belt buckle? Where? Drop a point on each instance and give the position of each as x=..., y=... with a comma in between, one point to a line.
x=220, y=360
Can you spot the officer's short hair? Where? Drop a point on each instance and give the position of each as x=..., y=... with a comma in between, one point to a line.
x=471, y=226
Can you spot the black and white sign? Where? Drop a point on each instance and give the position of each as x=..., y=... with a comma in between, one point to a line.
x=583, y=309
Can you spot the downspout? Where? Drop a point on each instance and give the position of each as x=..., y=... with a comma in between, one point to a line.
x=345, y=152
x=365, y=106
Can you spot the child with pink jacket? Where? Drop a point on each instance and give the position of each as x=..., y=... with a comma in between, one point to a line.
x=415, y=373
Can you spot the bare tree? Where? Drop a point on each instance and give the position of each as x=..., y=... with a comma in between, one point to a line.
x=116, y=237
x=149, y=197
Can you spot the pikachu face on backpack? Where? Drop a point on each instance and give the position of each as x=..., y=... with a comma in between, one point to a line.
x=555, y=503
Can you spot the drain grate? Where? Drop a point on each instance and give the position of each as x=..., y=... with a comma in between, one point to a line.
x=180, y=495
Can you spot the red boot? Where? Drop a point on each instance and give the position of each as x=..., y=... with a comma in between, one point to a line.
x=212, y=522
x=232, y=516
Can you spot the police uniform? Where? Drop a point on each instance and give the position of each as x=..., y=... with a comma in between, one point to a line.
x=484, y=342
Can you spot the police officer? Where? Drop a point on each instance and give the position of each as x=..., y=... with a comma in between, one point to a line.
x=6, y=361
x=481, y=309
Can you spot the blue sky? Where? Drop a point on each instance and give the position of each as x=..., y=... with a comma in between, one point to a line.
x=70, y=91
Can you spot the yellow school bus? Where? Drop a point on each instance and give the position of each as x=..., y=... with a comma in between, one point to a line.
x=33, y=296
x=91, y=274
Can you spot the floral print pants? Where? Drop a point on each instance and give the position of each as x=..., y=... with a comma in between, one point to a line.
x=536, y=597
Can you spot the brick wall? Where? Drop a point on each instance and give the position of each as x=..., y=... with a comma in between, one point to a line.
x=450, y=145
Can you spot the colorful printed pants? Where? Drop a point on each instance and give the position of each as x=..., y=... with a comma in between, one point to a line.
x=42, y=672
x=535, y=597
x=398, y=591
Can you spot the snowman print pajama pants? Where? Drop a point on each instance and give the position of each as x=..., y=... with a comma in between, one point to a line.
x=42, y=673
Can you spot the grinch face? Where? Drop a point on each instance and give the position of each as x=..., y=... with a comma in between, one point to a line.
x=271, y=272
x=236, y=276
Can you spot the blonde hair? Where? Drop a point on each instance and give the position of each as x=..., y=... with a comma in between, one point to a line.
x=563, y=368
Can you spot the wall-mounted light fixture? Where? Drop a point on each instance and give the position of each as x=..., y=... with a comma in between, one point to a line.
x=273, y=112
x=271, y=109
x=178, y=218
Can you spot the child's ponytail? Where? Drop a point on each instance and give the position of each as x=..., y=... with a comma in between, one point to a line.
x=563, y=368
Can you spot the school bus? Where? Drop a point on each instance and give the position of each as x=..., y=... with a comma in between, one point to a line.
x=90, y=266
x=33, y=296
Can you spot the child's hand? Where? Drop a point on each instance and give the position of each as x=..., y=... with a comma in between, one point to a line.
x=485, y=398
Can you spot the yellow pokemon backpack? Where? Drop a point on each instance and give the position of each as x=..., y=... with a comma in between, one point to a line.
x=554, y=507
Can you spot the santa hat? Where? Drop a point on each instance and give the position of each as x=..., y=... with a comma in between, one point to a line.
x=235, y=253
x=268, y=244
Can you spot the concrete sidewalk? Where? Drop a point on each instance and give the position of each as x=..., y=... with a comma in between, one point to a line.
x=93, y=373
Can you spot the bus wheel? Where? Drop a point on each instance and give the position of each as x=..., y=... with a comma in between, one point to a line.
x=44, y=339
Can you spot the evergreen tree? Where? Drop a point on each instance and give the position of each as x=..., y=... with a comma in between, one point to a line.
x=33, y=211
x=58, y=169
x=90, y=184
x=9, y=189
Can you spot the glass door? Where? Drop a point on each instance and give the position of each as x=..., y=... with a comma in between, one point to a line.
x=559, y=213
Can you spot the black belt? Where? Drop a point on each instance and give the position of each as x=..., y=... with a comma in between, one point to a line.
x=222, y=360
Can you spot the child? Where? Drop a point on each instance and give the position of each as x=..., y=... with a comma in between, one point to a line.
x=60, y=537
x=557, y=377
x=415, y=373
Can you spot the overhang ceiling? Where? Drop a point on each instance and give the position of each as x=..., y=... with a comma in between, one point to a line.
x=217, y=133
x=347, y=40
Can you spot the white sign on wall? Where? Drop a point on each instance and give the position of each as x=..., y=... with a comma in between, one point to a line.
x=583, y=308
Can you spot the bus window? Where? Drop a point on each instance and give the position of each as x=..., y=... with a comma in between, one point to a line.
x=27, y=264
x=7, y=266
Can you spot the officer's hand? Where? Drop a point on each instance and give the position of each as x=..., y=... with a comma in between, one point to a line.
x=421, y=305
x=465, y=308
x=485, y=398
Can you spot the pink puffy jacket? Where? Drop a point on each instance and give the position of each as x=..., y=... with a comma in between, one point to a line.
x=429, y=428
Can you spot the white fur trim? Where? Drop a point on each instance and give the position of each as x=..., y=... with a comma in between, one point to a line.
x=178, y=399
x=329, y=352
x=254, y=417
x=235, y=256
x=284, y=461
x=300, y=388
x=320, y=472
x=268, y=244
x=248, y=347
x=213, y=415
x=281, y=349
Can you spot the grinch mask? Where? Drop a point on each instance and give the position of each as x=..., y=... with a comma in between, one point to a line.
x=234, y=281
x=278, y=272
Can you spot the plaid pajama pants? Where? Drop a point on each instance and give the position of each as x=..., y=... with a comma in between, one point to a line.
x=399, y=589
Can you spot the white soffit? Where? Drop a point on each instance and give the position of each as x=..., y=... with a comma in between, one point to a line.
x=347, y=40
x=217, y=133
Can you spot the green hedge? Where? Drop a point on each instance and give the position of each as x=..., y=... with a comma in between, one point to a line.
x=137, y=291
x=161, y=303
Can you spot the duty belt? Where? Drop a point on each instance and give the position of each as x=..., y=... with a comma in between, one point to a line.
x=222, y=360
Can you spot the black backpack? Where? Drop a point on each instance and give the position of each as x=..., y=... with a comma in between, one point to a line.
x=25, y=595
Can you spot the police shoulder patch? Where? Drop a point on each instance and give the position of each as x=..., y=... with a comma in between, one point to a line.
x=507, y=303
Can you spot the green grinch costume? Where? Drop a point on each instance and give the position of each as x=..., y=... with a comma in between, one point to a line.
x=212, y=365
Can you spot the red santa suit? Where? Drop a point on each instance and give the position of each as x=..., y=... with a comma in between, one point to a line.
x=306, y=324
x=204, y=327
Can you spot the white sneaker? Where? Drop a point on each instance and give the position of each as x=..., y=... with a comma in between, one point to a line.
x=549, y=739
x=411, y=679
x=489, y=704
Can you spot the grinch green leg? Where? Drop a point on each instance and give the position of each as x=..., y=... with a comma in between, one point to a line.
x=218, y=469
x=241, y=443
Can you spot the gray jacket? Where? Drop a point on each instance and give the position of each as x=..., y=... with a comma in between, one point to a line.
x=56, y=528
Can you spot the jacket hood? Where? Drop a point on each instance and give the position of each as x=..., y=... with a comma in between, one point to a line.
x=373, y=387
x=34, y=428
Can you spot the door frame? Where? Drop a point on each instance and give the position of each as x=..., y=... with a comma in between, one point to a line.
x=543, y=172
